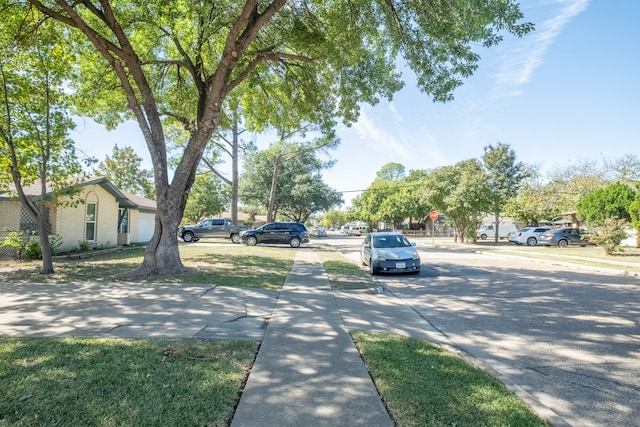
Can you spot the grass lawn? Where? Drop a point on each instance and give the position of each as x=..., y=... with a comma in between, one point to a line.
x=229, y=265
x=424, y=385
x=629, y=260
x=343, y=275
x=100, y=382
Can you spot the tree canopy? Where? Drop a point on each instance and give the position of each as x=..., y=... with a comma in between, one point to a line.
x=504, y=178
x=295, y=169
x=612, y=201
x=35, y=148
x=123, y=169
x=161, y=62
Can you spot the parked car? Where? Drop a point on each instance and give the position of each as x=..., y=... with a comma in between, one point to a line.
x=528, y=235
x=319, y=232
x=357, y=230
x=288, y=233
x=487, y=231
x=563, y=237
x=389, y=252
x=212, y=227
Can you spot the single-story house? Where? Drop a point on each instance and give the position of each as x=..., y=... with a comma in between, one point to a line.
x=106, y=216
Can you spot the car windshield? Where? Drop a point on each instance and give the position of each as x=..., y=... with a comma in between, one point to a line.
x=390, y=241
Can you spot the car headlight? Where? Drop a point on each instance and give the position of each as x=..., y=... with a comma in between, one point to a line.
x=415, y=255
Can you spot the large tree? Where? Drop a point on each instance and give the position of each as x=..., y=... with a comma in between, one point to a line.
x=35, y=148
x=461, y=193
x=181, y=60
x=504, y=176
x=285, y=179
x=209, y=196
x=123, y=168
x=612, y=201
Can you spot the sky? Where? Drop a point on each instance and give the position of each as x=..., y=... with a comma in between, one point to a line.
x=567, y=92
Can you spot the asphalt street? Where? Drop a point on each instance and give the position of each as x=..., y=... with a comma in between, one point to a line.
x=566, y=336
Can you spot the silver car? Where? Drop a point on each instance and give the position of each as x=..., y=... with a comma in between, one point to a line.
x=389, y=252
x=528, y=235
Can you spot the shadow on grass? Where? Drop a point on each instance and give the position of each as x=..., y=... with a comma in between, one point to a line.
x=81, y=381
x=344, y=274
x=224, y=265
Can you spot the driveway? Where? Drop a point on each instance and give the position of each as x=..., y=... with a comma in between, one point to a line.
x=565, y=337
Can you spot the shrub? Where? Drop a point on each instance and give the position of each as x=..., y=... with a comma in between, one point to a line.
x=33, y=250
x=611, y=233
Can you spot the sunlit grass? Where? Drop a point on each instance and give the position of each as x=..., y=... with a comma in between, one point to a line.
x=344, y=274
x=102, y=382
x=423, y=384
x=230, y=265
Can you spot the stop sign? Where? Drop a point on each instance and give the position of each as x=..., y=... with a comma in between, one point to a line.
x=433, y=215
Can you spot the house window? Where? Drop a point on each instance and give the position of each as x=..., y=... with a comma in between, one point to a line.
x=123, y=220
x=90, y=222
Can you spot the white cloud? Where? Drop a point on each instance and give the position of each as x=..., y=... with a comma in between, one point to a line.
x=521, y=57
x=410, y=144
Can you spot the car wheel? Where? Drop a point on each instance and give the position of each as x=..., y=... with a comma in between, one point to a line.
x=187, y=236
x=483, y=237
x=532, y=241
x=235, y=238
x=372, y=269
x=294, y=242
x=563, y=243
x=252, y=241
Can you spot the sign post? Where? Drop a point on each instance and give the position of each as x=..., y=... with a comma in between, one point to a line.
x=433, y=215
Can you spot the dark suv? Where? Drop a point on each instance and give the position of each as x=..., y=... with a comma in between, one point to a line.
x=288, y=233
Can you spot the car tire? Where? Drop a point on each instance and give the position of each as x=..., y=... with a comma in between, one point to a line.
x=563, y=243
x=252, y=241
x=294, y=242
x=188, y=236
x=483, y=237
x=372, y=269
x=532, y=241
x=235, y=238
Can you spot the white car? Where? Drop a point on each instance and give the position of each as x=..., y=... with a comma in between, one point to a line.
x=356, y=230
x=389, y=252
x=528, y=235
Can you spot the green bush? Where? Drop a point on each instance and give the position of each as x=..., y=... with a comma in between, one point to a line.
x=611, y=234
x=83, y=245
x=33, y=249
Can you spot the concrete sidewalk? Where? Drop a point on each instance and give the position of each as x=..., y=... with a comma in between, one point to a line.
x=308, y=371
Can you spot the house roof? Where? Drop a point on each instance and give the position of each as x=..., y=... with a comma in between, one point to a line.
x=142, y=203
x=124, y=199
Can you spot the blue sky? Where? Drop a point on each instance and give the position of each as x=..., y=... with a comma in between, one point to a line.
x=568, y=92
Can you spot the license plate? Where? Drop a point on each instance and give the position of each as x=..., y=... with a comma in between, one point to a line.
x=401, y=265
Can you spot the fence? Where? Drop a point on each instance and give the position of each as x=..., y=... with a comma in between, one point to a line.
x=440, y=231
x=7, y=253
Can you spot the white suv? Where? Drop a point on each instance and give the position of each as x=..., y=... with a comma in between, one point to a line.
x=528, y=235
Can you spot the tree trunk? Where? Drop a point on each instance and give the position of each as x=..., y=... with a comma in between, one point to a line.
x=162, y=255
x=272, y=193
x=234, y=174
x=43, y=230
x=497, y=219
